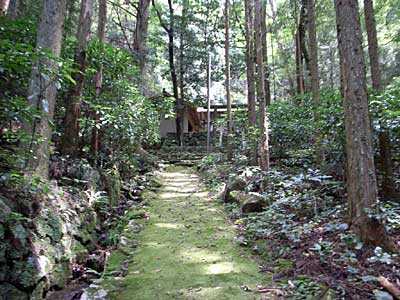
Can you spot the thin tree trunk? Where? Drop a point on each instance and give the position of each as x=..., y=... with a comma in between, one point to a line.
x=179, y=107
x=314, y=72
x=299, y=65
x=179, y=104
x=388, y=186
x=183, y=25
x=12, y=11
x=264, y=161
x=313, y=46
x=70, y=142
x=361, y=179
x=42, y=90
x=302, y=35
x=142, y=24
x=251, y=88
x=265, y=52
x=101, y=32
x=228, y=80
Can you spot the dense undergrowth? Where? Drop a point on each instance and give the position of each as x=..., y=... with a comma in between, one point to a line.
x=302, y=232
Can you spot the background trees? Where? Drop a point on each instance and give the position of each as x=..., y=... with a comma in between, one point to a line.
x=114, y=84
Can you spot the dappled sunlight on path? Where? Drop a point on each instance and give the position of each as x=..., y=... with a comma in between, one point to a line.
x=187, y=249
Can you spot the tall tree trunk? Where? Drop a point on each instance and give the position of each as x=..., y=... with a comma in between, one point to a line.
x=179, y=107
x=313, y=46
x=182, y=29
x=361, y=178
x=302, y=34
x=101, y=32
x=4, y=7
x=299, y=66
x=13, y=9
x=264, y=161
x=314, y=72
x=265, y=52
x=141, y=28
x=228, y=80
x=388, y=186
x=179, y=104
x=70, y=142
x=251, y=88
x=42, y=90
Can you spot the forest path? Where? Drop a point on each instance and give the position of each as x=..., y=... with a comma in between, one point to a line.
x=187, y=248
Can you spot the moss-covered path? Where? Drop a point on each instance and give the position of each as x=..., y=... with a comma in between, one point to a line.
x=187, y=249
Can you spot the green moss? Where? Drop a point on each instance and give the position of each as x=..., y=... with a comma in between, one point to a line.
x=61, y=273
x=49, y=225
x=113, y=263
x=24, y=272
x=111, y=181
x=185, y=251
x=136, y=214
x=79, y=252
x=155, y=182
x=283, y=266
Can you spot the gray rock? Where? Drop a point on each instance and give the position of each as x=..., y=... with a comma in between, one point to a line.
x=252, y=202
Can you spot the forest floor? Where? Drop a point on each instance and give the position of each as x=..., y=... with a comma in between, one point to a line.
x=186, y=250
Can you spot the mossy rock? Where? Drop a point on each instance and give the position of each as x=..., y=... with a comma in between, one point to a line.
x=8, y=291
x=112, y=184
x=37, y=294
x=113, y=262
x=136, y=214
x=3, y=245
x=49, y=225
x=18, y=246
x=5, y=210
x=61, y=274
x=155, y=182
x=79, y=252
x=24, y=273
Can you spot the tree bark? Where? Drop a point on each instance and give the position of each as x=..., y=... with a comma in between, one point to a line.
x=361, y=178
x=101, y=32
x=179, y=107
x=228, y=80
x=314, y=74
x=42, y=90
x=313, y=46
x=13, y=9
x=70, y=142
x=388, y=185
x=141, y=28
x=267, y=86
x=251, y=88
x=264, y=161
x=299, y=66
x=250, y=60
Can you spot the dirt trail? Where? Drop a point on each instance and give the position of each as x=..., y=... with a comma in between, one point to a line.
x=187, y=249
